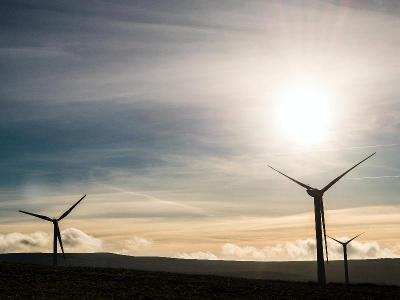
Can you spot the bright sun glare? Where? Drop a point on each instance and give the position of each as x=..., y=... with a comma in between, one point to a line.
x=303, y=114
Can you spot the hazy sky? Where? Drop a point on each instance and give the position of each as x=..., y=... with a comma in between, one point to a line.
x=166, y=113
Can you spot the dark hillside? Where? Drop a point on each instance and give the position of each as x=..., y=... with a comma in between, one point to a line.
x=20, y=281
x=375, y=271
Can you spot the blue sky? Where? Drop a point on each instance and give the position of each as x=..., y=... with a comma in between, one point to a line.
x=167, y=110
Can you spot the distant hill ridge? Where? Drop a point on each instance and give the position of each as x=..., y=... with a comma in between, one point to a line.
x=377, y=271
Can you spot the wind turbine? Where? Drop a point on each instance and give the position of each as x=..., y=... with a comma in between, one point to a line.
x=346, y=266
x=317, y=194
x=56, y=228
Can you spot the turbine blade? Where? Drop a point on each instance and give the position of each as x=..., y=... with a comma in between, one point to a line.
x=59, y=239
x=354, y=237
x=69, y=210
x=335, y=239
x=339, y=177
x=324, y=227
x=292, y=179
x=36, y=215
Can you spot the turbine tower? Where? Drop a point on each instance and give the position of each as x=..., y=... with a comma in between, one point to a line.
x=346, y=266
x=317, y=194
x=56, y=228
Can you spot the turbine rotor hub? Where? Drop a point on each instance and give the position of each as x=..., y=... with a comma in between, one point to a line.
x=315, y=192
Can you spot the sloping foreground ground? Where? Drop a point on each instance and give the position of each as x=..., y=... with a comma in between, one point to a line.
x=21, y=281
x=375, y=271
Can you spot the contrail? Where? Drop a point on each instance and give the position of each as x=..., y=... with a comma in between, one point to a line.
x=152, y=198
x=373, y=177
x=337, y=149
x=373, y=146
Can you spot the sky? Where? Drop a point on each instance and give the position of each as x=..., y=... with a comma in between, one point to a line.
x=167, y=113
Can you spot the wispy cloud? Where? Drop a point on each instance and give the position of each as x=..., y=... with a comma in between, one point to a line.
x=334, y=149
x=182, y=129
x=154, y=199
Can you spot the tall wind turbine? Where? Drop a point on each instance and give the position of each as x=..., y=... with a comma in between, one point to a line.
x=346, y=266
x=317, y=194
x=56, y=228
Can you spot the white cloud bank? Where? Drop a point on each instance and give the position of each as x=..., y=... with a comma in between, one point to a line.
x=135, y=244
x=19, y=242
x=74, y=240
x=297, y=250
x=197, y=255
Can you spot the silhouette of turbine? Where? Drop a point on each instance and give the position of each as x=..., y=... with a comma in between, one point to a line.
x=56, y=228
x=319, y=214
x=346, y=266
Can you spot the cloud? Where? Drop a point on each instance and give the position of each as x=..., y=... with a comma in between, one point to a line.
x=131, y=246
x=305, y=250
x=19, y=242
x=372, y=249
x=299, y=250
x=76, y=240
x=387, y=6
x=234, y=251
x=182, y=125
x=197, y=255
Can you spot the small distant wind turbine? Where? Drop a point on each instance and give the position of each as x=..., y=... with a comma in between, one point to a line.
x=319, y=213
x=346, y=266
x=56, y=228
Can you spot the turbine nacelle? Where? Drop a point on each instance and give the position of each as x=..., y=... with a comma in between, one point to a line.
x=315, y=193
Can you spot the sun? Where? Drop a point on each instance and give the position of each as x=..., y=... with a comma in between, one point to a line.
x=304, y=114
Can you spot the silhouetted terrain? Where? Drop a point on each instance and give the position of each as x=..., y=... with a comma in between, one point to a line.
x=380, y=271
x=23, y=281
